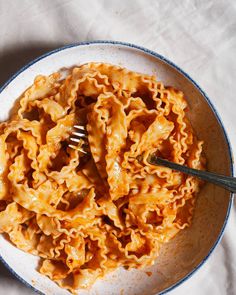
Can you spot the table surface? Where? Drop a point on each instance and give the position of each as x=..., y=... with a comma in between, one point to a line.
x=198, y=35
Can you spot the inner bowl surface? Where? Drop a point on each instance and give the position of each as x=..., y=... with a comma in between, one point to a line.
x=191, y=247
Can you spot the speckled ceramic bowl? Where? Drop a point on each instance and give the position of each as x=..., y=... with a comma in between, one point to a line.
x=180, y=258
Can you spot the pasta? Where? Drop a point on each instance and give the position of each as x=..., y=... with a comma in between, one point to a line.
x=88, y=214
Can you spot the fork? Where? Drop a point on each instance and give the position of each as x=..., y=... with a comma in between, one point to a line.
x=228, y=182
x=79, y=140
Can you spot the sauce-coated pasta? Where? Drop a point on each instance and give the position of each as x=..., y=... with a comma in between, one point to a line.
x=87, y=214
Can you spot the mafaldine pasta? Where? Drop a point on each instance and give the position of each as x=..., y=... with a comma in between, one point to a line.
x=86, y=214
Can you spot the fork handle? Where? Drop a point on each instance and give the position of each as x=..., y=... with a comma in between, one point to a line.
x=226, y=182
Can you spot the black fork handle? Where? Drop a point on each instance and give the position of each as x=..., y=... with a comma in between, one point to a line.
x=227, y=182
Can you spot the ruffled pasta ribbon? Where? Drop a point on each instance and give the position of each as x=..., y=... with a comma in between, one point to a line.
x=86, y=215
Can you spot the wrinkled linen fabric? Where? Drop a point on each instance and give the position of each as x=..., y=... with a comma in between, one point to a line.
x=197, y=35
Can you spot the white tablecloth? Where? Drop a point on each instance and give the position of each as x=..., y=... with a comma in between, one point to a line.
x=198, y=35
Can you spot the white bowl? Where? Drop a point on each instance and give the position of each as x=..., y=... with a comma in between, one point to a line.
x=181, y=257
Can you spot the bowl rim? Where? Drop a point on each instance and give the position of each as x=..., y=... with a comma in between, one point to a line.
x=218, y=118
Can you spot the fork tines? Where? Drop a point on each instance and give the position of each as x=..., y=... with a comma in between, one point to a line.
x=80, y=131
x=80, y=127
x=80, y=138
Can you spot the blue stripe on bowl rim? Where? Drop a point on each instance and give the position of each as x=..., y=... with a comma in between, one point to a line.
x=156, y=55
